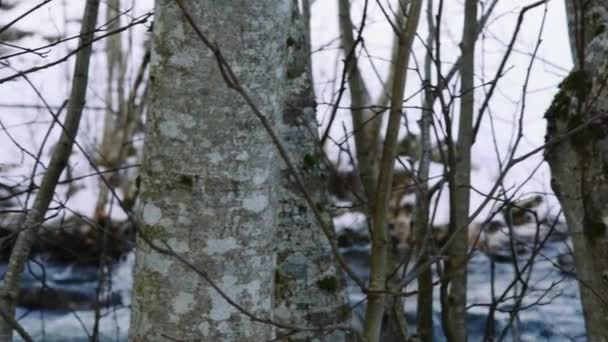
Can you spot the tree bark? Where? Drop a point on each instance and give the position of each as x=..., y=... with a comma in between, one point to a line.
x=455, y=324
x=379, y=233
x=111, y=142
x=579, y=162
x=309, y=289
x=34, y=218
x=366, y=124
x=424, y=305
x=209, y=174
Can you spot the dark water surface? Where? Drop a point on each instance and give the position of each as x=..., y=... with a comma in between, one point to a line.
x=552, y=307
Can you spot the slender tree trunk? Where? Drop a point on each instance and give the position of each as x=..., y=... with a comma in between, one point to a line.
x=380, y=239
x=579, y=162
x=366, y=124
x=209, y=174
x=424, y=312
x=110, y=146
x=395, y=325
x=34, y=218
x=456, y=265
x=133, y=119
x=109, y=149
x=309, y=290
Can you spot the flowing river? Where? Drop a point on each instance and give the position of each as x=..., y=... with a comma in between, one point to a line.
x=550, y=310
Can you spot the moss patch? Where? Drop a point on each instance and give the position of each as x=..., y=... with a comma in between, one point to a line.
x=559, y=106
x=309, y=161
x=599, y=30
x=579, y=139
x=577, y=81
x=186, y=181
x=594, y=230
x=329, y=284
x=578, y=84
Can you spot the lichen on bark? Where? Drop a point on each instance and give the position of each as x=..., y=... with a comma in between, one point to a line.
x=208, y=174
x=579, y=163
x=305, y=269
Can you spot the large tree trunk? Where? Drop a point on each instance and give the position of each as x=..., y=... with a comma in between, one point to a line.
x=209, y=173
x=308, y=288
x=21, y=250
x=579, y=162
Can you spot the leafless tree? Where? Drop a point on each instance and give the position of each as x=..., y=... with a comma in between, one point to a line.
x=35, y=217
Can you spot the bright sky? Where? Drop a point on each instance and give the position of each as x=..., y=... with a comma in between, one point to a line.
x=550, y=67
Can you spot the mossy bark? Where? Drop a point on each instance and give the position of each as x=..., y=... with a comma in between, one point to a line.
x=309, y=289
x=579, y=161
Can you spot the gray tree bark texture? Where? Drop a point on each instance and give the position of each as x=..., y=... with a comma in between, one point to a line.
x=454, y=315
x=309, y=290
x=9, y=290
x=208, y=176
x=579, y=159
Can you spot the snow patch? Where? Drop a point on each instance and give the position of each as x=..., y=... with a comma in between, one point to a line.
x=122, y=277
x=353, y=220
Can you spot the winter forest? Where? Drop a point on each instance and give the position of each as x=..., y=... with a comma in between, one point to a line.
x=304, y=170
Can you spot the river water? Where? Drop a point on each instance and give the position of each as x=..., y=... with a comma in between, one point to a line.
x=552, y=310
